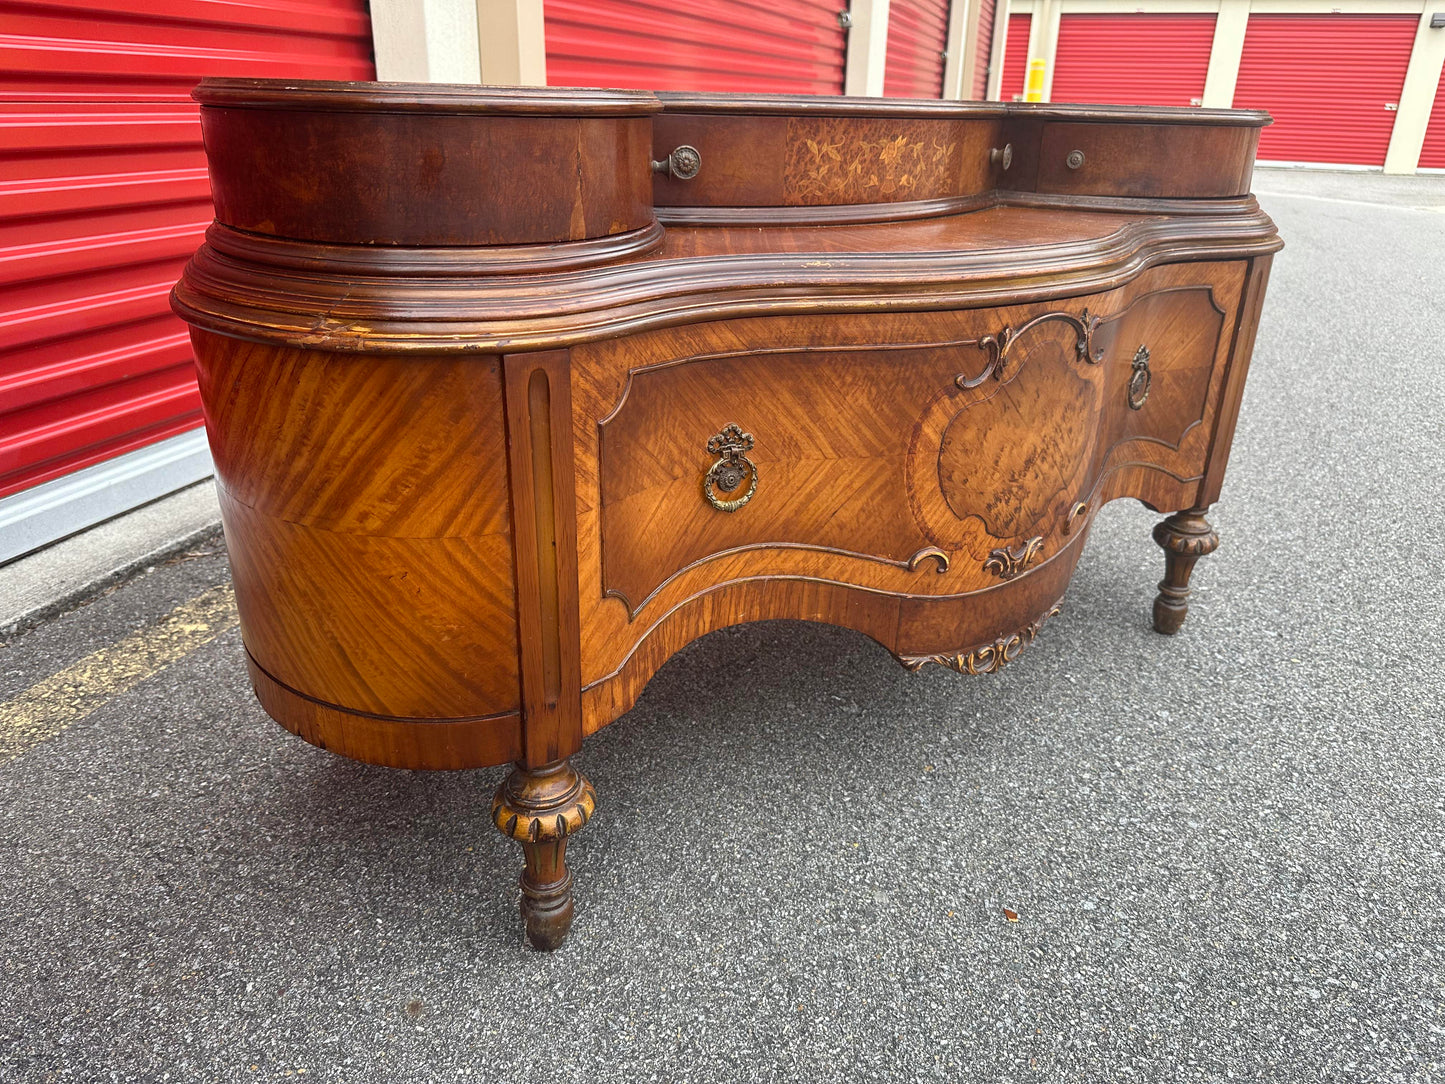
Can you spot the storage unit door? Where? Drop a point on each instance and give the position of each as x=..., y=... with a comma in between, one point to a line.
x=1132, y=59
x=917, y=37
x=983, y=48
x=1332, y=83
x=1015, y=59
x=782, y=47
x=1432, y=154
x=103, y=198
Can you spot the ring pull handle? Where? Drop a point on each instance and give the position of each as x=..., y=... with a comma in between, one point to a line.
x=1141, y=379
x=732, y=467
x=682, y=163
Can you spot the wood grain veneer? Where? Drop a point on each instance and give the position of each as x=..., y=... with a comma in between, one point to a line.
x=503, y=416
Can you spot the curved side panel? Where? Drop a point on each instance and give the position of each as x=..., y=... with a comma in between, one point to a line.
x=366, y=512
x=419, y=627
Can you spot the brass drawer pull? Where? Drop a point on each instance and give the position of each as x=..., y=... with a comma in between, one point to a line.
x=1140, y=381
x=731, y=467
x=998, y=346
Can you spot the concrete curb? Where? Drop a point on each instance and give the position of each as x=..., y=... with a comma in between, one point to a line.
x=65, y=576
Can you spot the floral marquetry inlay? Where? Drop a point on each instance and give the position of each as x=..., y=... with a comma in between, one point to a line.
x=830, y=164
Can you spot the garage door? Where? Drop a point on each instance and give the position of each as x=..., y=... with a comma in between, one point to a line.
x=983, y=48
x=1015, y=59
x=103, y=197
x=779, y=47
x=1133, y=59
x=1332, y=83
x=917, y=37
x=1432, y=154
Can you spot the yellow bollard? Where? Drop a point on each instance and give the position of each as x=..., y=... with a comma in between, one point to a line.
x=1034, y=87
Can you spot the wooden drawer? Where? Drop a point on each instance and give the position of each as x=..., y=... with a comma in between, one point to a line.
x=918, y=454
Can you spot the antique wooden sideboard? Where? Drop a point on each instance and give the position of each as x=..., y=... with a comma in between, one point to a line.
x=512, y=392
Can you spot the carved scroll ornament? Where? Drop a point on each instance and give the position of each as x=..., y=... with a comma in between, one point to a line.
x=987, y=658
x=1008, y=563
x=999, y=346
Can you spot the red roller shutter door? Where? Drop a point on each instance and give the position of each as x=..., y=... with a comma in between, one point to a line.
x=917, y=36
x=1432, y=154
x=1015, y=59
x=983, y=48
x=103, y=197
x=1132, y=59
x=785, y=47
x=1328, y=80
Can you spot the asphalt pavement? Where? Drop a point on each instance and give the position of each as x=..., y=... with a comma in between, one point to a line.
x=1127, y=857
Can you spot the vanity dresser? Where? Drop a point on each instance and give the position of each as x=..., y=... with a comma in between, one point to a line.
x=512, y=393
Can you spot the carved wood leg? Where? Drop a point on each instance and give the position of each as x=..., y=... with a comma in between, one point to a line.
x=540, y=808
x=1185, y=537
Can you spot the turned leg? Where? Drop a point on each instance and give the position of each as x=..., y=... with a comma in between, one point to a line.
x=1186, y=537
x=540, y=808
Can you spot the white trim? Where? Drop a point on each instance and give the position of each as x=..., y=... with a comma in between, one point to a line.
x=867, y=48
x=958, y=57
x=1417, y=96
x=1001, y=13
x=51, y=511
x=1260, y=7
x=1225, y=53
x=1337, y=167
x=511, y=43
x=1140, y=7
x=1044, y=43
x=425, y=41
x=1336, y=7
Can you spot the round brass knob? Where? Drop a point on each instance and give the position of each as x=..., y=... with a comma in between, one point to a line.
x=683, y=163
x=1075, y=159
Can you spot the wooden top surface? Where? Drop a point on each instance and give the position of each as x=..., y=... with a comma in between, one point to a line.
x=976, y=234
x=467, y=98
